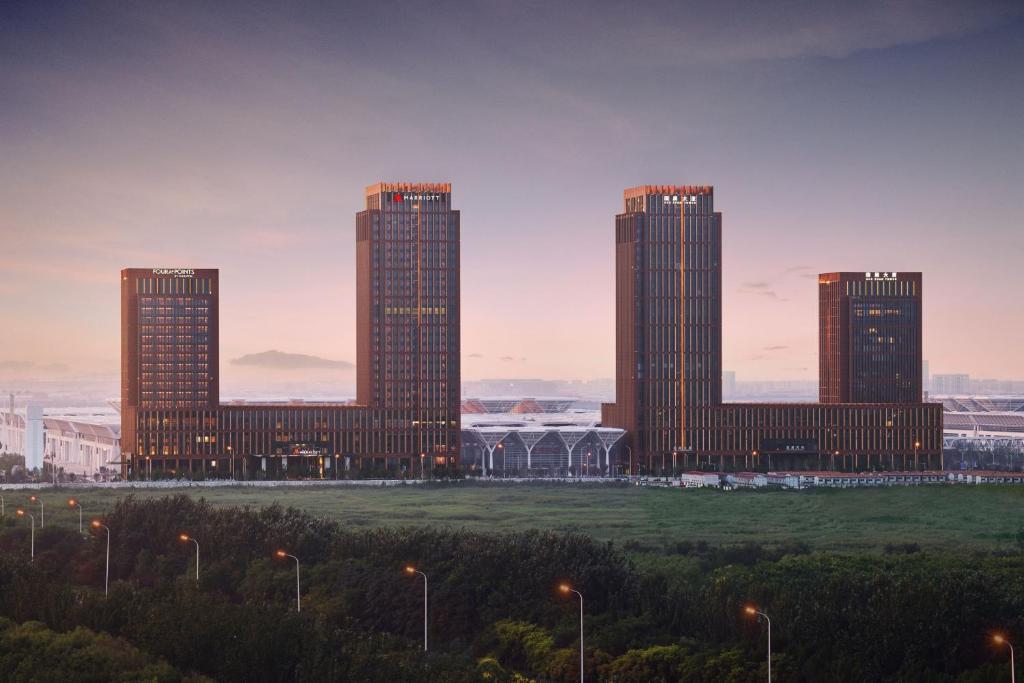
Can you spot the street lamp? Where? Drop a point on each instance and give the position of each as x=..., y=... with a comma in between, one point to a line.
x=566, y=588
x=754, y=612
x=298, y=590
x=75, y=504
x=22, y=513
x=917, y=446
x=503, y=463
x=186, y=538
x=3, y=513
x=42, y=510
x=410, y=570
x=106, y=580
x=423, y=473
x=1000, y=639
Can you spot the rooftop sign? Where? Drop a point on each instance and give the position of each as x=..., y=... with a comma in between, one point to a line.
x=875, y=276
x=176, y=272
x=679, y=199
x=402, y=197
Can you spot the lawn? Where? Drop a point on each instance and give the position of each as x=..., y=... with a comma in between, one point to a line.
x=936, y=517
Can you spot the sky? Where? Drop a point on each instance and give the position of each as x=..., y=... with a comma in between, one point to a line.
x=240, y=136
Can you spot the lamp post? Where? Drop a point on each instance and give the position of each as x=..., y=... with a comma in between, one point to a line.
x=336, y=467
x=566, y=588
x=22, y=513
x=410, y=570
x=96, y=524
x=42, y=510
x=298, y=588
x=76, y=504
x=917, y=447
x=753, y=460
x=630, y=449
x=503, y=470
x=423, y=472
x=754, y=612
x=185, y=538
x=1000, y=639
x=3, y=513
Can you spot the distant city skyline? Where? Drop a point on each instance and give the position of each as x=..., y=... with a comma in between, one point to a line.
x=237, y=137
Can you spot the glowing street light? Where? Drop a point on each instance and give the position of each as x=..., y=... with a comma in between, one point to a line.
x=42, y=510
x=76, y=504
x=566, y=588
x=186, y=538
x=1000, y=639
x=754, y=612
x=96, y=524
x=410, y=570
x=298, y=592
x=22, y=513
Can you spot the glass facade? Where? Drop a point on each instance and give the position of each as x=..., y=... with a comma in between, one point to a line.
x=668, y=315
x=408, y=410
x=668, y=357
x=169, y=355
x=408, y=299
x=870, y=337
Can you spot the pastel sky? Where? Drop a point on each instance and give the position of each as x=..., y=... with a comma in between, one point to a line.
x=838, y=135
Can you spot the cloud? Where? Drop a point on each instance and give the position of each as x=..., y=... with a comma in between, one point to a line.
x=778, y=347
x=475, y=355
x=279, y=360
x=511, y=359
x=739, y=30
x=761, y=288
x=664, y=34
x=16, y=364
x=805, y=272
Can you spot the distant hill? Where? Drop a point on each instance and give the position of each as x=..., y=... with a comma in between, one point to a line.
x=279, y=360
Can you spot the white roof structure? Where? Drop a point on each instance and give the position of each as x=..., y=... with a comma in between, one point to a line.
x=563, y=441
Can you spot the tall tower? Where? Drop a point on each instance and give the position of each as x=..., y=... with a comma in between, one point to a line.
x=407, y=270
x=668, y=312
x=169, y=346
x=870, y=337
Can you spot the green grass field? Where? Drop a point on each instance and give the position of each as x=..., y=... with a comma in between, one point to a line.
x=938, y=517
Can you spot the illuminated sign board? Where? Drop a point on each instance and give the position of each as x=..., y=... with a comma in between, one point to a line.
x=176, y=272
x=402, y=197
x=789, y=445
x=287, y=448
x=875, y=276
x=679, y=199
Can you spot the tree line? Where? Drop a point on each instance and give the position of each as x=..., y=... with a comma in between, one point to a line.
x=495, y=611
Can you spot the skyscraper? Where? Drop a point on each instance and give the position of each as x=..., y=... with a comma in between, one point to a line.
x=870, y=337
x=407, y=415
x=169, y=346
x=407, y=275
x=668, y=308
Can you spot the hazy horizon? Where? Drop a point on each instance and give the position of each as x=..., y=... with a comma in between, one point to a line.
x=240, y=136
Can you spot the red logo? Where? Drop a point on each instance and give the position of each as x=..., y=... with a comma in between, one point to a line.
x=396, y=197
